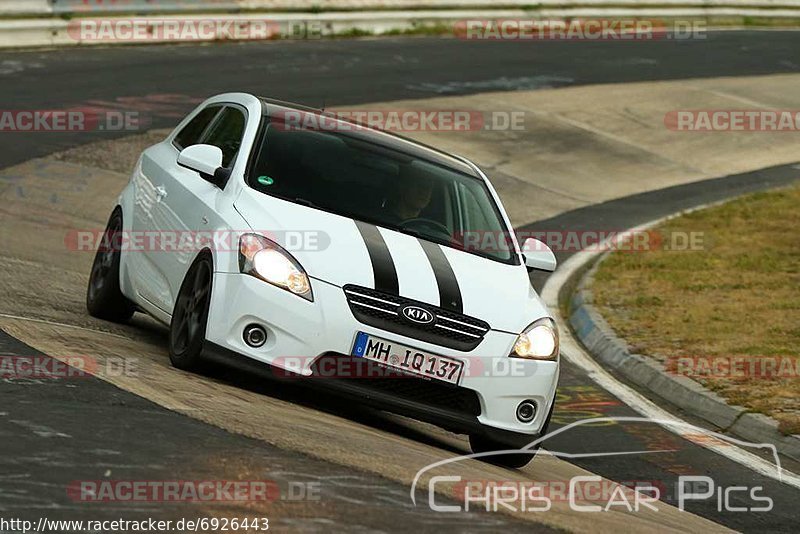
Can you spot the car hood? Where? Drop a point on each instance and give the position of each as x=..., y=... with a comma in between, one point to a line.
x=340, y=251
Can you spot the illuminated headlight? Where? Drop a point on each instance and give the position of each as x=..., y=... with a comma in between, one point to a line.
x=265, y=259
x=538, y=342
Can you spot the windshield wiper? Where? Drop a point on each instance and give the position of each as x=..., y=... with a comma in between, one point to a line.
x=420, y=235
x=304, y=202
x=408, y=231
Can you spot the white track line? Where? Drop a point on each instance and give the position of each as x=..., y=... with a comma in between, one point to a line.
x=572, y=350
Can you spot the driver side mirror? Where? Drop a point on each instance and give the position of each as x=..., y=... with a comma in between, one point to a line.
x=538, y=256
x=207, y=160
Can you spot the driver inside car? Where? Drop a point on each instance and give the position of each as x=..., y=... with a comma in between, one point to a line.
x=410, y=196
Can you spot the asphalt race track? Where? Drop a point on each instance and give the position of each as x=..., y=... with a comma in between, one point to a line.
x=122, y=432
x=344, y=72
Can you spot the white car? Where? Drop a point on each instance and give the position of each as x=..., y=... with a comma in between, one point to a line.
x=356, y=258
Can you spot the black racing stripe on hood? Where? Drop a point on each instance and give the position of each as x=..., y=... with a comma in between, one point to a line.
x=449, y=291
x=382, y=263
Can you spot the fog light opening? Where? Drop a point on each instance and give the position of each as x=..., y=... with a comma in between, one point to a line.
x=254, y=335
x=526, y=411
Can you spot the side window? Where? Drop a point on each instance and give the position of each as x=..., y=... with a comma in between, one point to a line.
x=474, y=214
x=226, y=133
x=191, y=133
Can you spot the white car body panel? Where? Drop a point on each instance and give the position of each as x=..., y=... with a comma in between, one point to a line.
x=497, y=293
x=492, y=287
x=415, y=277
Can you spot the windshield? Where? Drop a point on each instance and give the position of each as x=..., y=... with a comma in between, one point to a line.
x=373, y=183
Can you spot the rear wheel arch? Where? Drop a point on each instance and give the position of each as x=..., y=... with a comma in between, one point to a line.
x=104, y=296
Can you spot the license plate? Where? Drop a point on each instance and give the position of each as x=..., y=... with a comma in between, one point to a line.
x=408, y=359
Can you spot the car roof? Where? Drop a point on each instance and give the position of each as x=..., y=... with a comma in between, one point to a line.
x=389, y=140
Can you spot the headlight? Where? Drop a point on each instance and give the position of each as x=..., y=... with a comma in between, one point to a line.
x=265, y=259
x=539, y=341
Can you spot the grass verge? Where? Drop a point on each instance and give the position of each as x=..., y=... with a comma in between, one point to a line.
x=725, y=312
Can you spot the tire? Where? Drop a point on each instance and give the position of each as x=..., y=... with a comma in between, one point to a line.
x=187, y=330
x=104, y=298
x=481, y=443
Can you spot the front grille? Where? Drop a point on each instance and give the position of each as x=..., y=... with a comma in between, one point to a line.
x=433, y=394
x=383, y=310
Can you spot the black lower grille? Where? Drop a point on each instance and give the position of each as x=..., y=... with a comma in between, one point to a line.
x=360, y=375
x=385, y=311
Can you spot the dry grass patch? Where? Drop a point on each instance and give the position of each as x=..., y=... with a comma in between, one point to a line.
x=738, y=296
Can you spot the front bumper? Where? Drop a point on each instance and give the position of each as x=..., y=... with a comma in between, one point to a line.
x=301, y=335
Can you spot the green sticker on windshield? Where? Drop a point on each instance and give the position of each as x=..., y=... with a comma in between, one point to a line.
x=265, y=180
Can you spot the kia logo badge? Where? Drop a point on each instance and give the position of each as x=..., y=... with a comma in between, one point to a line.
x=417, y=314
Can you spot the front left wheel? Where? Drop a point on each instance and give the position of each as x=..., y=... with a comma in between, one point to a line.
x=187, y=331
x=516, y=458
x=104, y=298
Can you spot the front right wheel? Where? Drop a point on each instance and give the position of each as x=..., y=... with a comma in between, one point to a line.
x=187, y=331
x=514, y=459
